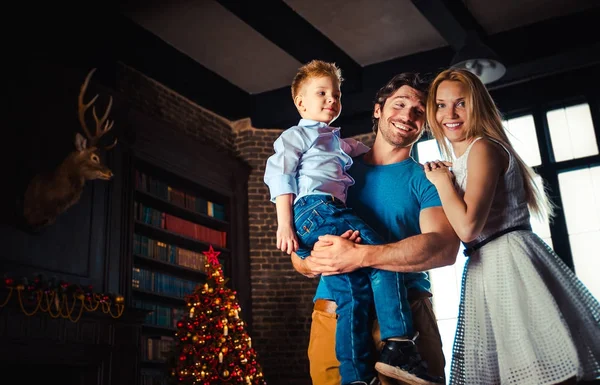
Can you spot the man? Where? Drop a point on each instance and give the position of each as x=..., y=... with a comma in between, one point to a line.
x=393, y=195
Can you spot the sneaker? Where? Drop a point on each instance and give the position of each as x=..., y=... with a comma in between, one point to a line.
x=402, y=361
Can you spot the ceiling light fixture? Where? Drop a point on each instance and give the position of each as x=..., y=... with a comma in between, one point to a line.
x=478, y=58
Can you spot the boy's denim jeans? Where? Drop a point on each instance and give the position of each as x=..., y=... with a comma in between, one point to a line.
x=355, y=292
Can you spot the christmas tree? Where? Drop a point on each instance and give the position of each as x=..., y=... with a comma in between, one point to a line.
x=211, y=344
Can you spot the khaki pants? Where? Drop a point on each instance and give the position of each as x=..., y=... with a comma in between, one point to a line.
x=321, y=348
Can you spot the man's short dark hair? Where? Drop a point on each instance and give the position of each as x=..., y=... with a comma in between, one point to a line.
x=411, y=79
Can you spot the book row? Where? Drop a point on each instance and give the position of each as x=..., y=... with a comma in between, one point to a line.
x=151, y=216
x=158, y=188
x=161, y=283
x=151, y=248
x=157, y=348
x=160, y=315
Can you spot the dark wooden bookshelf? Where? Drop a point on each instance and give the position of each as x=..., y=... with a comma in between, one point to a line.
x=175, y=174
x=169, y=268
x=171, y=237
x=158, y=329
x=181, y=212
x=163, y=299
x=154, y=363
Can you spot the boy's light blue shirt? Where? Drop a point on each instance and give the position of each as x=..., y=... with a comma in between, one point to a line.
x=311, y=158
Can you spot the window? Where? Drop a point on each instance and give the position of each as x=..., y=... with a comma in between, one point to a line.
x=428, y=150
x=521, y=133
x=572, y=132
x=580, y=191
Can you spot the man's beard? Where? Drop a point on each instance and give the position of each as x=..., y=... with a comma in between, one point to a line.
x=394, y=138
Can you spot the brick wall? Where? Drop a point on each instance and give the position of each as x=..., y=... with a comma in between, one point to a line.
x=156, y=100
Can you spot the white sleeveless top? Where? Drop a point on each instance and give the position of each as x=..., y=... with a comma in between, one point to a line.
x=509, y=205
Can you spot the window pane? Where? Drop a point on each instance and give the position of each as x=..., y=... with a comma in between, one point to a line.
x=522, y=135
x=585, y=259
x=572, y=132
x=580, y=193
x=427, y=150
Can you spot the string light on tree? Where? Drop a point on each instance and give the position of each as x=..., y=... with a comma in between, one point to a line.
x=212, y=345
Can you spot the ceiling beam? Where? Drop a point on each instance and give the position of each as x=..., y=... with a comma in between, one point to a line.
x=296, y=36
x=451, y=19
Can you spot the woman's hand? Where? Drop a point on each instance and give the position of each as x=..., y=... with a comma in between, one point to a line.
x=437, y=171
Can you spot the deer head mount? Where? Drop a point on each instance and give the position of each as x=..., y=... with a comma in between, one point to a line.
x=50, y=194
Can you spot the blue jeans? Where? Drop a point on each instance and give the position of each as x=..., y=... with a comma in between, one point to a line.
x=355, y=292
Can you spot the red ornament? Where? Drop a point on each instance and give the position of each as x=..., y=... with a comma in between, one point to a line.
x=211, y=255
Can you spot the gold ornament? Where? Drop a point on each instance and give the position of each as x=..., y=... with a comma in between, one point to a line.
x=60, y=305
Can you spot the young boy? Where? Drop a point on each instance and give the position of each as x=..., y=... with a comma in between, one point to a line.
x=308, y=182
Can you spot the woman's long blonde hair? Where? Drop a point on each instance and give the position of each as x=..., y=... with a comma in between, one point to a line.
x=484, y=120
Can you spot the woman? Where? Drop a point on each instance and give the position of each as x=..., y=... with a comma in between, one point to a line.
x=524, y=317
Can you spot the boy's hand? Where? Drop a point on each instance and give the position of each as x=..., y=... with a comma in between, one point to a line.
x=286, y=239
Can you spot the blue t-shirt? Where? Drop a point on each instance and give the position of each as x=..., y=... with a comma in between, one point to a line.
x=390, y=199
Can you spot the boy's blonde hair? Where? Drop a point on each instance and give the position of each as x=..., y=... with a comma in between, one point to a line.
x=315, y=69
x=485, y=120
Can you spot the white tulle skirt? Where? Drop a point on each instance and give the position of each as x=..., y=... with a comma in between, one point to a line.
x=524, y=317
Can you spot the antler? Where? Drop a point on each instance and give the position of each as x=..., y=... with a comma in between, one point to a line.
x=102, y=125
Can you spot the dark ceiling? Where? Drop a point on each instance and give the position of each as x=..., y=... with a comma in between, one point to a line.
x=237, y=58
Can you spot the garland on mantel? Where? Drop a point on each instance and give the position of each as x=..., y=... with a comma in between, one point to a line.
x=60, y=299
